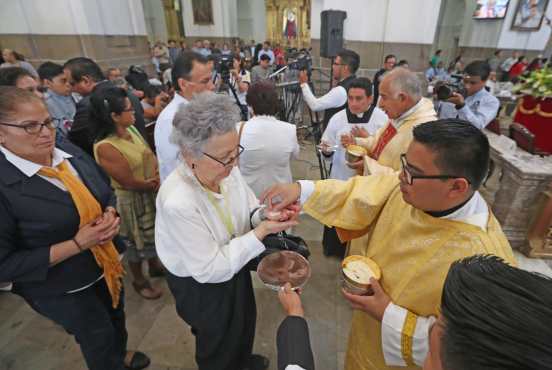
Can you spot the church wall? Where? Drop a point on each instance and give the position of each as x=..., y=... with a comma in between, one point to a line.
x=251, y=20
x=112, y=32
x=154, y=18
x=377, y=28
x=225, y=20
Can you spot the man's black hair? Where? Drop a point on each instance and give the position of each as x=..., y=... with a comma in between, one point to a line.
x=495, y=316
x=478, y=68
x=361, y=83
x=389, y=56
x=183, y=66
x=351, y=59
x=81, y=67
x=264, y=57
x=10, y=75
x=462, y=149
x=49, y=70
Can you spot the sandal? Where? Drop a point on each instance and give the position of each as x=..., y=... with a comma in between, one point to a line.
x=138, y=361
x=257, y=362
x=144, y=287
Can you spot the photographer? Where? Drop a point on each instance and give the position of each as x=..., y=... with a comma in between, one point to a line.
x=344, y=68
x=240, y=78
x=479, y=107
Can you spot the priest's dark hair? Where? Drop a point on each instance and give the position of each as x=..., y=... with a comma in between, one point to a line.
x=495, y=316
x=462, y=149
x=361, y=83
x=350, y=58
x=81, y=67
x=183, y=66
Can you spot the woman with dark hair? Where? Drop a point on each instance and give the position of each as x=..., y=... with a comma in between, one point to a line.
x=270, y=143
x=518, y=68
x=20, y=77
x=59, y=241
x=124, y=154
x=240, y=78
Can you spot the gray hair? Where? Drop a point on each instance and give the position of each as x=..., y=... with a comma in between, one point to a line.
x=405, y=81
x=207, y=115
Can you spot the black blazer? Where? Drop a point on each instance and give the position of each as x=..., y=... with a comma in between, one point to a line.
x=34, y=214
x=82, y=134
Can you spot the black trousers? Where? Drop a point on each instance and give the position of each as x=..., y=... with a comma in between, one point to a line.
x=331, y=243
x=222, y=317
x=88, y=315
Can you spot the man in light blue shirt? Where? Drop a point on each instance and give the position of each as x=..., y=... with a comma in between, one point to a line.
x=479, y=107
x=268, y=51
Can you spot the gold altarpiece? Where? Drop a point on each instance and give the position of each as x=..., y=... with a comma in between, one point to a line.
x=288, y=22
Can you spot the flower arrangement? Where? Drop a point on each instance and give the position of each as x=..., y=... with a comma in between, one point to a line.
x=537, y=84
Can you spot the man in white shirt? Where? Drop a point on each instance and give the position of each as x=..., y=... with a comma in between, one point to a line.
x=190, y=75
x=343, y=69
x=266, y=50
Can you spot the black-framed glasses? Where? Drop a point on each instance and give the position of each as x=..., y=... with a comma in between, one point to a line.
x=409, y=177
x=230, y=160
x=33, y=128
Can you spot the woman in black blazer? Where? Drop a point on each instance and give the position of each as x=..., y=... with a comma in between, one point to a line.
x=66, y=269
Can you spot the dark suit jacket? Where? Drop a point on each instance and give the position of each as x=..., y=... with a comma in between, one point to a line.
x=293, y=344
x=82, y=134
x=34, y=214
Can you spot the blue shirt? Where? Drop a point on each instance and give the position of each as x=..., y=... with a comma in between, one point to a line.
x=62, y=110
x=479, y=109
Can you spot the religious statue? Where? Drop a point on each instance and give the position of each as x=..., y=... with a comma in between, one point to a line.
x=290, y=24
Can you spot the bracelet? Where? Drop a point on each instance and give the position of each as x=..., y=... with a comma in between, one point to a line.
x=77, y=244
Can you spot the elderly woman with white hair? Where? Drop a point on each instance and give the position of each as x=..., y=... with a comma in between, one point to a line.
x=209, y=225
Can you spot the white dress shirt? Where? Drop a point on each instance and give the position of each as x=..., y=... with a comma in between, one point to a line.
x=269, y=146
x=474, y=212
x=339, y=125
x=335, y=98
x=168, y=154
x=191, y=238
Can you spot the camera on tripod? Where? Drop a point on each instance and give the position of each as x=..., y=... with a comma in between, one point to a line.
x=445, y=89
x=224, y=63
x=299, y=60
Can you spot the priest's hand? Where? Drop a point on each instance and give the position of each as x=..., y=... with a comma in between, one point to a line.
x=358, y=166
x=347, y=139
x=374, y=305
x=281, y=196
x=357, y=131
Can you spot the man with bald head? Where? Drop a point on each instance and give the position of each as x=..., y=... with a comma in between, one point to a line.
x=401, y=99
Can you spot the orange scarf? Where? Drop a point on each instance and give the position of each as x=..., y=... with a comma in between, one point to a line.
x=89, y=210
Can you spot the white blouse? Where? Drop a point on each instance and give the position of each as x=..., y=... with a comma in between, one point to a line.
x=269, y=146
x=191, y=237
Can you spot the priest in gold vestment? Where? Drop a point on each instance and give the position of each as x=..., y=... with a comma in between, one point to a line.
x=400, y=97
x=417, y=224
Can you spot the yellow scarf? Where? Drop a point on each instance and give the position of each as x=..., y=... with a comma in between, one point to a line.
x=89, y=210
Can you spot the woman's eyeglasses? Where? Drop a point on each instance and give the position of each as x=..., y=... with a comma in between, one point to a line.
x=230, y=160
x=33, y=128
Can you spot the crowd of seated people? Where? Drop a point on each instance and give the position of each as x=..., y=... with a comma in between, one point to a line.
x=104, y=170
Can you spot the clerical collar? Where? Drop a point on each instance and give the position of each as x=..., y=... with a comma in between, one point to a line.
x=439, y=214
x=363, y=118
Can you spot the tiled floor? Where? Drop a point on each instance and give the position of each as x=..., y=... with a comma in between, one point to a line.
x=30, y=342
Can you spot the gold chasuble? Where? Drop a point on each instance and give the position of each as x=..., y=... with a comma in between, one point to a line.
x=389, y=159
x=413, y=249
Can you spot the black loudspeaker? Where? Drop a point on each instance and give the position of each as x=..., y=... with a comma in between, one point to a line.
x=331, y=32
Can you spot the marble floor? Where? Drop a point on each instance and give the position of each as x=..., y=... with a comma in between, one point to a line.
x=30, y=342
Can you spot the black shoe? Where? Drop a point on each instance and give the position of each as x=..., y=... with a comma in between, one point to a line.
x=257, y=362
x=139, y=361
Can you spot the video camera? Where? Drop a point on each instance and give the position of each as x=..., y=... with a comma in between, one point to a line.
x=299, y=60
x=224, y=63
x=445, y=89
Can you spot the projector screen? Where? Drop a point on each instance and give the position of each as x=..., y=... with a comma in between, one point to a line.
x=490, y=9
